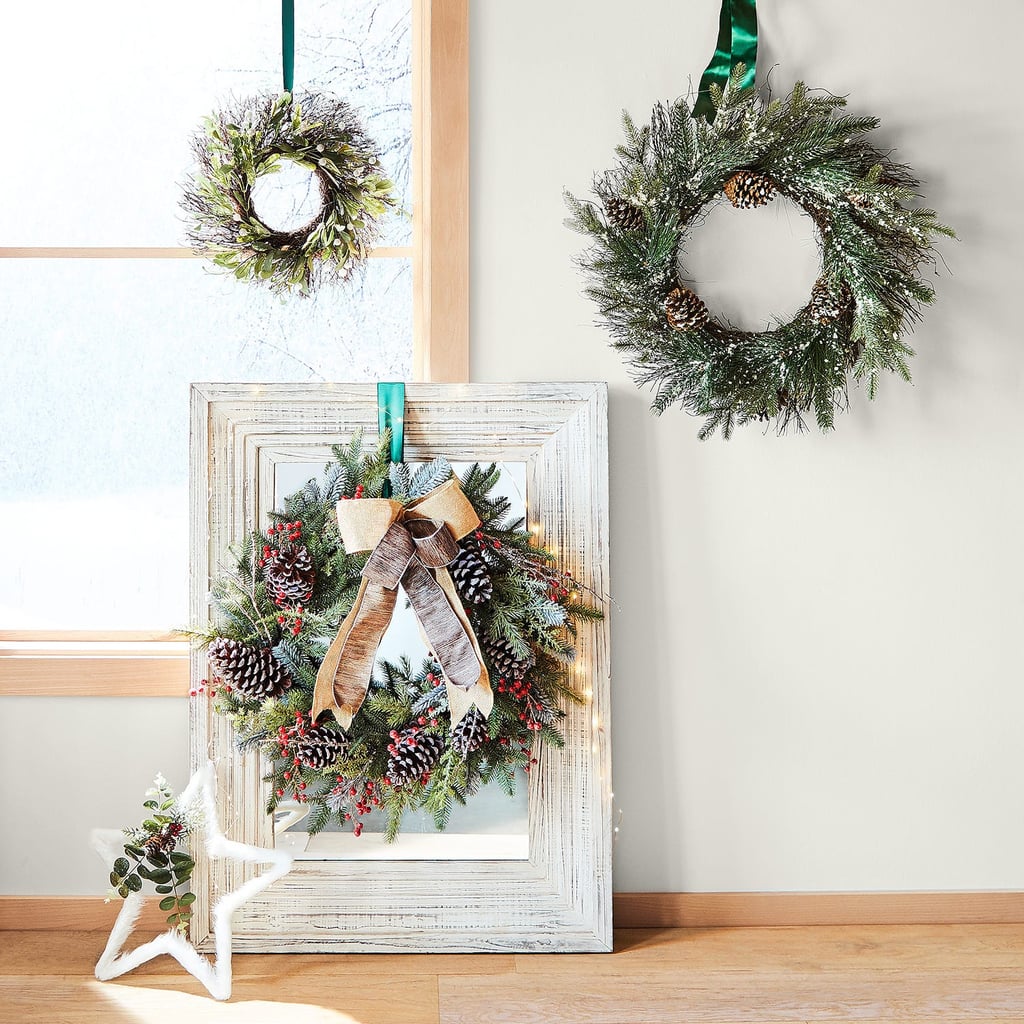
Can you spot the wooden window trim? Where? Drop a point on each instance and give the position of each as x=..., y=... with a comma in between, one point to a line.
x=441, y=190
x=95, y=663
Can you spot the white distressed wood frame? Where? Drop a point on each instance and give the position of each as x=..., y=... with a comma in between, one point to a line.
x=560, y=898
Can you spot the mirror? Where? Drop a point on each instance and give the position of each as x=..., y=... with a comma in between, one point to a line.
x=492, y=826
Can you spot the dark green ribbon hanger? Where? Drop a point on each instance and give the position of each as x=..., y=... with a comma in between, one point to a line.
x=391, y=413
x=288, y=43
x=737, y=44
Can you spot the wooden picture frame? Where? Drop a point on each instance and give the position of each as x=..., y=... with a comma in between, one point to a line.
x=558, y=899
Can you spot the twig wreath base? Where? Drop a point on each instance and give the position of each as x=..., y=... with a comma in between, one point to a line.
x=873, y=243
x=254, y=137
x=281, y=601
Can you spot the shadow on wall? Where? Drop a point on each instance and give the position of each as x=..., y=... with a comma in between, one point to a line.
x=643, y=687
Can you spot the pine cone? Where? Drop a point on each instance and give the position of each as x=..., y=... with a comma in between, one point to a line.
x=470, y=575
x=859, y=201
x=747, y=189
x=543, y=707
x=290, y=574
x=165, y=840
x=470, y=733
x=504, y=659
x=623, y=214
x=827, y=305
x=685, y=310
x=412, y=754
x=320, y=747
x=252, y=671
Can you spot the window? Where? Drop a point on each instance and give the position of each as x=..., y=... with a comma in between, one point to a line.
x=105, y=318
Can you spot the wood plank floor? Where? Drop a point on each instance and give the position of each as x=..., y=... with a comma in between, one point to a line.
x=912, y=973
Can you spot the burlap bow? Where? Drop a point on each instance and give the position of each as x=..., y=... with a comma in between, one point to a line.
x=410, y=544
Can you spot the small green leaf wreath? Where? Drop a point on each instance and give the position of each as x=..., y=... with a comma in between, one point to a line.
x=254, y=138
x=872, y=240
x=280, y=604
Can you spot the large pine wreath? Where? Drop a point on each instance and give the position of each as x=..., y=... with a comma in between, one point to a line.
x=873, y=243
x=279, y=602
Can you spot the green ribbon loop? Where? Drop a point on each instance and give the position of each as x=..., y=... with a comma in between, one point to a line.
x=737, y=44
x=288, y=43
x=391, y=413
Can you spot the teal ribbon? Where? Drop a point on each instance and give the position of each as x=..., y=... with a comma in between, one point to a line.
x=391, y=413
x=288, y=43
x=737, y=44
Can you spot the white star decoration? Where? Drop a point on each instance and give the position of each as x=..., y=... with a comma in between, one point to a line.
x=109, y=844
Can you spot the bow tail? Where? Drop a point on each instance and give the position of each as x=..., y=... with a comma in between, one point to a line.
x=451, y=638
x=345, y=673
x=462, y=698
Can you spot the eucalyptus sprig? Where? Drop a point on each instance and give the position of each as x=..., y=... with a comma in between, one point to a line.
x=152, y=854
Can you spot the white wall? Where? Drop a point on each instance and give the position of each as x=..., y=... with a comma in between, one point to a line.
x=74, y=764
x=817, y=666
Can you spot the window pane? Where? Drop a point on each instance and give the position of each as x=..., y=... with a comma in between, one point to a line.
x=97, y=358
x=115, y=95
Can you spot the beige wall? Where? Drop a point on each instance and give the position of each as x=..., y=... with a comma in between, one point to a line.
x=817, y=670
x=817, y=655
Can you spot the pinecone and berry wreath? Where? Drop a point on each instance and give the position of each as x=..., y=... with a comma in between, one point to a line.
x=256, y=137
x=411, y=739
x=749, y=148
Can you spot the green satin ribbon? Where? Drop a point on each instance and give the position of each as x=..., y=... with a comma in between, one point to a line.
x=288, y=43
x=391, y=413
x=737, y=43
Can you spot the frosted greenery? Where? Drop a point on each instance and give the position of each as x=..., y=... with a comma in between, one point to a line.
x=874, y=243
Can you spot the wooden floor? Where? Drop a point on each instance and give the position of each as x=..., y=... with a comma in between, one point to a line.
x=859, y=973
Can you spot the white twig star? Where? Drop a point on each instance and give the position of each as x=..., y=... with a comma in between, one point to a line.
x=216, y=976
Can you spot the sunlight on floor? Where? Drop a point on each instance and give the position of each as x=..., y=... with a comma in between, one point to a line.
x=157, y=1005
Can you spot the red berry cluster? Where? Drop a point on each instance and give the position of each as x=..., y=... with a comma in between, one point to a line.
x=209, y=687
x=558, y=590
x=286, y=736
x=398, y=740
x=358, y=493
x=294, y=535
x=522, y=690
x=359, y=796
x=297, y=612
x=431, y=715
x=484, y=539
x=294, y=531
x=559, y=585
